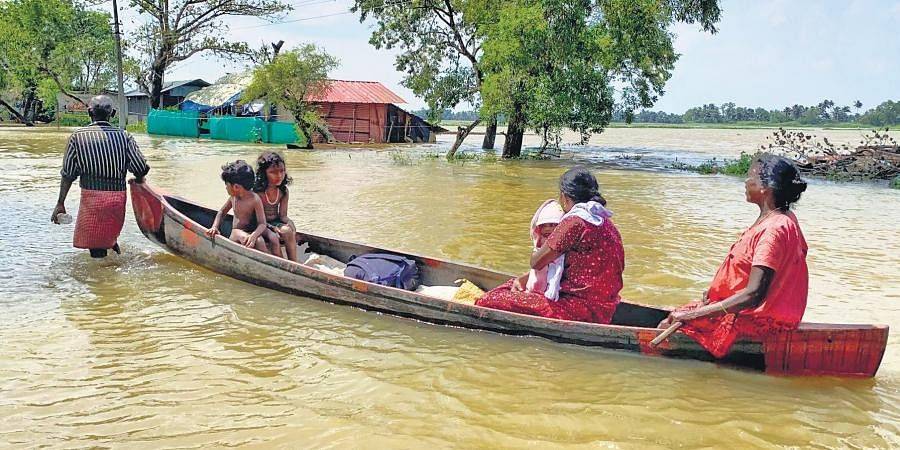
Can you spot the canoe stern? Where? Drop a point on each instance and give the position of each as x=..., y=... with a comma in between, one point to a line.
x=827, y=350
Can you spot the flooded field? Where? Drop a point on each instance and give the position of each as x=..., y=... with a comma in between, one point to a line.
x=145, y=350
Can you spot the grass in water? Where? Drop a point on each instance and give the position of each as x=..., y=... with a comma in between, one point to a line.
x=74, y=120
x=136, y=127
x=736, y=167
x=401, y=158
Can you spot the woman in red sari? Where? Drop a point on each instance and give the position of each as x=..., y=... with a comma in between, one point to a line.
x=594, y=260
x=761, y=287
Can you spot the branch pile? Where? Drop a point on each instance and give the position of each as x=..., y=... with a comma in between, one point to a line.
x=876, y=157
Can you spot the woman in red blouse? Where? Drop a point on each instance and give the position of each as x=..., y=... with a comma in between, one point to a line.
x=761, y=286
x=594, y=260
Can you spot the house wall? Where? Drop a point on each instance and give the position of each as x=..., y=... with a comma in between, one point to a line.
x=370, y=122
x=138, y=108
x=354, y=122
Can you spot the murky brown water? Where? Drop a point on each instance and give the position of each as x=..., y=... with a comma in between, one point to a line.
x=146, y=350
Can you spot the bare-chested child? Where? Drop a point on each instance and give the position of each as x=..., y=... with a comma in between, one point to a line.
x=249, y=216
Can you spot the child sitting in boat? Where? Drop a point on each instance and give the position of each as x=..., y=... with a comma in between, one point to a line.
x=271, y=184
x=545, y=281
x=249, y=217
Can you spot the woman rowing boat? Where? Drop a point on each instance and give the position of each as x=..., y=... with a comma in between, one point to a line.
x=761, y=287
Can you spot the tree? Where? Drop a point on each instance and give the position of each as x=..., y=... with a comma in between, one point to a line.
x=289, y=80
x=824, y=106
x=93, y=54
x=440, y=50
x=179, y=29
x=49, y=46
x=885, y=114
x=550, y=64
x=813, y=116
x=858, y=105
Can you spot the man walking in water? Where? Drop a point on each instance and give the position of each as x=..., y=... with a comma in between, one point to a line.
x=100, y=154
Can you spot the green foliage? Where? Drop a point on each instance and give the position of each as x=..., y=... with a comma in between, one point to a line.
x=734, y=167
x=438, y=42
x=95, y=54
x=289, y=80
x=256, y=135
x=401, y=158
x=557, y=62
x=137, y=127
x=895, y=183
x=885, y=114
x=739, y=167
x=53, y=46
x=825, y=113
x=176, y=30
x=74, y=120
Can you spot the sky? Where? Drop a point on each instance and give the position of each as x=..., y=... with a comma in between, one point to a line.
x=769, y=53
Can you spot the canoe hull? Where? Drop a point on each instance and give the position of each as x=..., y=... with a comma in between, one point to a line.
x=839, y=350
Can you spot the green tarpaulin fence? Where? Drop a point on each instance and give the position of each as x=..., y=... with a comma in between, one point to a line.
x=224, y=128
x=244, y=129
x=283, y=133
x=173, y=123
x=251, y=129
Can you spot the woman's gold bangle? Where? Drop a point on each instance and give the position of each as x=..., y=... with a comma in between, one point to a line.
x=724, y=310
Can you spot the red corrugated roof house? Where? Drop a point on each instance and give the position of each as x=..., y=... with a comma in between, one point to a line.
x=366, y=111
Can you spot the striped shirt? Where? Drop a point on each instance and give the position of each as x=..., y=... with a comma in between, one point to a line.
x=101, y=154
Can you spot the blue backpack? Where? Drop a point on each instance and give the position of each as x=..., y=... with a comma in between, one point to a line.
x=384, y=269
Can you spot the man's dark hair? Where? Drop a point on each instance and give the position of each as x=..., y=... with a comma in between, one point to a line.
x=240, y=173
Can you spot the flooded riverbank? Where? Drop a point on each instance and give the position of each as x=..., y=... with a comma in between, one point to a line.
x=146, y=351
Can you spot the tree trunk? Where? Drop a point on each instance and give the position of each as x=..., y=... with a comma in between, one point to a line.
x=305, y=130
x=157, y=70
x=490, y=134
x=512, y=145
x=28, y=106
x=17, y=114
x=276, y=48
x=325, y=132
x=461, y=134
x=307, y=136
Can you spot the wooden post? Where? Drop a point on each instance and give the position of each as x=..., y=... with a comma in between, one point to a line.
x=123, y=104
x=353, y=127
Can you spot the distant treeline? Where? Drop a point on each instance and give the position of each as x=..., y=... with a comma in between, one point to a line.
x=824, y=113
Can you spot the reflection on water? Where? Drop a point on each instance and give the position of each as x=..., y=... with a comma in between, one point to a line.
x=147, y=350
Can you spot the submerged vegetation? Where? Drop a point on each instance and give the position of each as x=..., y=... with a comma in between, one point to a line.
x=405, y=158
x=137, y=127
x=876, y=157
x=735, y=167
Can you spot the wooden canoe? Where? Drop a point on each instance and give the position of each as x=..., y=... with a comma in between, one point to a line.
x=179, y=225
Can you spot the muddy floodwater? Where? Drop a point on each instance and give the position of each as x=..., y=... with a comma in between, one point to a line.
x=146, y=350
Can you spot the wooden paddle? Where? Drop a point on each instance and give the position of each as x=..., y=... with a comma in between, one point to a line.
x=665, y=334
